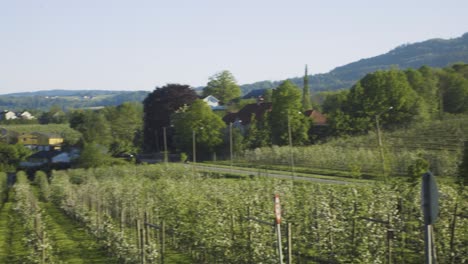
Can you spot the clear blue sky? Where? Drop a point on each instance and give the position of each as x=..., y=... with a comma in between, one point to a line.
x=138, y=45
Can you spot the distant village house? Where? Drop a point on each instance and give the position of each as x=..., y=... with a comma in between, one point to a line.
x=10, y=115
x=213, y=103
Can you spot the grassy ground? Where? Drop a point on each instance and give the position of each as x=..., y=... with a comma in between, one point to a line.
x=263, y=169
x=70, y=241
x=12, y=247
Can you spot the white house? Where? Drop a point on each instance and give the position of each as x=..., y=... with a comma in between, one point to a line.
x=7, y=115
x=213, y=102
x=10, y=115
x=25, y=115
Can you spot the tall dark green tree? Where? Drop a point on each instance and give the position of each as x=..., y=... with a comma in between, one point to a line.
x=287, y=114
x=223, y=86
x=158, y=107
x=306, y=104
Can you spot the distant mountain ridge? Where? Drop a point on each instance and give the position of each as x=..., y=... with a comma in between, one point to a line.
x=59, y=92
x=68, y=99
x=433, y=53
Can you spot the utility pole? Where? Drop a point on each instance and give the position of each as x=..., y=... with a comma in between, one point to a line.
x=230, y=142
x=165, y=146
x=291, y=153
x=194, y=151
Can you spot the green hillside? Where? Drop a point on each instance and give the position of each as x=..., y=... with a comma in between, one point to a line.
x=43, y=100
x=434, y=53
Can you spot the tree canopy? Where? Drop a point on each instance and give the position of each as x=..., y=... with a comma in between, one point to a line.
x=374, y=95
x=454, y=90
x=223, y=86
x=126, y=122
x=158, y=107
x=286, y=111
x=93, y=126
x=11, y=155
x=199, y=119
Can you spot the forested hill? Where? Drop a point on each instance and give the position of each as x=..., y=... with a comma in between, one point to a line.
x=67, y=99
x=434, y=53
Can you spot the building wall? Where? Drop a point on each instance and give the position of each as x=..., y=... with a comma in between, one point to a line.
x=28, y=139
x=48, y=140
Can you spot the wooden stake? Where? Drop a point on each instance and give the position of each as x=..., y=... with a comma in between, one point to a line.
x=289, y=243
x=280, y=251
x=163, y=240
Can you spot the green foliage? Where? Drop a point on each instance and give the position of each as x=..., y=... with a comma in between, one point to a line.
x=55, y=115
x=433, y=53
x=427, y=88
x=418, y=167
x=41, y=180
x=222, y=86
x=126, y=122
x=454, y=89
x=93, y=126
x=68, y=100
x=376, y=92
x=267, y=95
x=334, y=101
x=19, y=121
x=183, y=157
x=11, y=155
x=372, y=96
x=70, y=136
x=329, y=222
x=3, y=188
x=355, y=170
x=238, y=104
x=437, y=142
x=285, y=114
x=258, y=134
x=238, y=143
x=199, y=119
x=93, y=155
x=463, y=167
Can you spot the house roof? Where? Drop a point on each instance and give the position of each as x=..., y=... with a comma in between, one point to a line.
x=211, y=99
x=45, y=154
x=245, y=114
x=318, y=118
